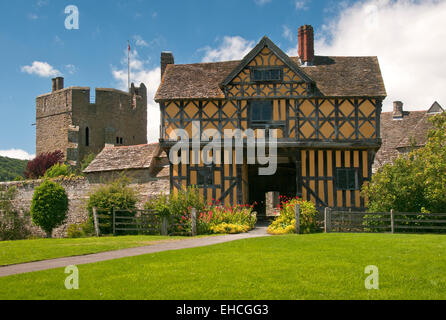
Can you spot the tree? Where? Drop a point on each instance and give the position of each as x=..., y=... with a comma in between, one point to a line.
x=415, y=182
x=38, y=167
x=58, y=170
x=11, y=169
x=49, y=206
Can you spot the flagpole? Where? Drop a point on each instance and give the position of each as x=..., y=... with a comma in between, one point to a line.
x=128, y=64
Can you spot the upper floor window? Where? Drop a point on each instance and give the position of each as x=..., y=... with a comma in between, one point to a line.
x=87, y=137
x=347, y=179
x=261, y=112
x=267, y=74
x=205, y=177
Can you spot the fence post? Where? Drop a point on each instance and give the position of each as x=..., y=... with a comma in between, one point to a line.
x=114, y=222
x=194, y=222
x=164, y=226
x=297, y=213
x=392, y=220
x=96, y=222
x=327, y=220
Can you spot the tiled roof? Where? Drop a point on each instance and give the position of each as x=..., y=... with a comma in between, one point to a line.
x=400, y=134
x=334, y=76
x=125, y=158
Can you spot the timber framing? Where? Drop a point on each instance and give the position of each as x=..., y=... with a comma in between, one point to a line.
x=317, y=133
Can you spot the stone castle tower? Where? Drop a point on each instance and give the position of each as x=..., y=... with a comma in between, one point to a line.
x=77, y=123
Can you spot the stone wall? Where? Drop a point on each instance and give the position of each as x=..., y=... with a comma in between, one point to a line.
x=78, y=190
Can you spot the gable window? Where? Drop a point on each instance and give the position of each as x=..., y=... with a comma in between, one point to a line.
x=205, y=177
x=266, y=74
x=261, y=112
x=347, y=179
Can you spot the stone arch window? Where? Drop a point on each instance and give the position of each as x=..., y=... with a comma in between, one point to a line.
x=87, y=137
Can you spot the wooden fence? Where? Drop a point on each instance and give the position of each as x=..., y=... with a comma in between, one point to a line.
x=393, y=222
x=122, y=222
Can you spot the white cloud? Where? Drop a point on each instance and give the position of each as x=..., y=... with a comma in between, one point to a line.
x=262, y=2
x=41, y=69
x=288, y=34
x=71, y=69
x=42, y=3
x=33, y=16
x=301, y=4
x=17, y=154
x=141, y=72
x=140, y=42
x=232, y=48
x=408, y=38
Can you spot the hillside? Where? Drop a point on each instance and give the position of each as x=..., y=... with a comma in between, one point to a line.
x=11, y=168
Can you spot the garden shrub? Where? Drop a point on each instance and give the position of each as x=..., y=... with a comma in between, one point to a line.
x=159, y=204
x=37, y=168
x=182, y=202
x=59, y=170
x=49, y=206
x=286, y=222
x=83, y=230
x=114, y=195
x=75, y=231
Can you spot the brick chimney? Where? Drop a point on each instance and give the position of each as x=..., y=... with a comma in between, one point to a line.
x=166, y=59
x=398, y=112
x=57, y=83
x=306, y=45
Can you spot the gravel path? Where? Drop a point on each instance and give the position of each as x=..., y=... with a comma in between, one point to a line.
x=131, y=252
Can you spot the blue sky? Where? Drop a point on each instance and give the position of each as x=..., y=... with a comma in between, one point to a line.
x=36, y=45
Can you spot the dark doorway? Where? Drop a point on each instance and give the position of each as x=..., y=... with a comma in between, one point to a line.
x=284, y=182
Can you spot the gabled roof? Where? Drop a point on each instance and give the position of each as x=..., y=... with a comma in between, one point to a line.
x=435, y=108
x=333, y=76
x=265, y=42
x=125, y=158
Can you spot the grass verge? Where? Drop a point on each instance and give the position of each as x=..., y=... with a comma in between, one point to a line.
x=320, y=266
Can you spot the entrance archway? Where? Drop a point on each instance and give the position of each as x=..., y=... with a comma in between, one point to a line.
x=283, y=183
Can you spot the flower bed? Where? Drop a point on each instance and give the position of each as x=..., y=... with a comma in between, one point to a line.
x=213, y=218
x=220, y=219
x=285, y=223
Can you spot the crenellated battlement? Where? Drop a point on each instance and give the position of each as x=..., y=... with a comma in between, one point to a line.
x=101, y=116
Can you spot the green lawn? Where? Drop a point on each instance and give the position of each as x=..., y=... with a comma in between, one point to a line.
x=13, y=252
x=321, y=266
